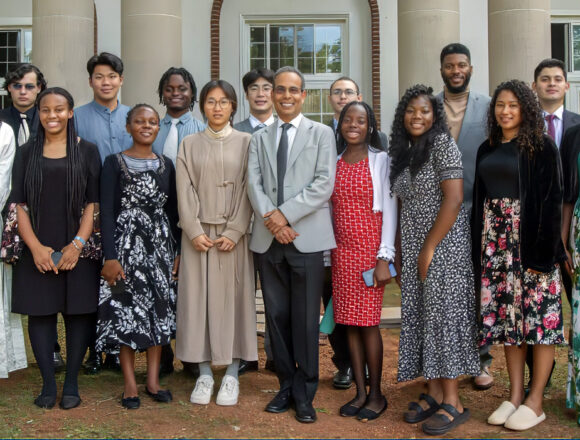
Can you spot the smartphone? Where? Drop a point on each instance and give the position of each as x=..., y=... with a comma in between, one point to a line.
x=56, y=256
x=368, y=275
x=118, y=288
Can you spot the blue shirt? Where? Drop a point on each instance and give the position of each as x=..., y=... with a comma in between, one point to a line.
x=187, y=125
x=104, y=128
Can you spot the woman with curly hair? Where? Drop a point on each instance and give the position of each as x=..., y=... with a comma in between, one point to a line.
x=517, y=248
x=438, y=329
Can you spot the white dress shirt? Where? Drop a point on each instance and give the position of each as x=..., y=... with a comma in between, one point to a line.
x=254, y=122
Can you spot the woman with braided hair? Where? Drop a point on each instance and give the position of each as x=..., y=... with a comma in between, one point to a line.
x=55, y=182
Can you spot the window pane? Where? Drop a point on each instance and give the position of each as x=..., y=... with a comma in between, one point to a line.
x=328, y=49
x=256, y=63
x=27, y=55
x=274, y=64
x=257, y=50
x=576, y=47
x=257, y=34
x=3, y=38
x=287, y=62
x=326, y=107
x=312, y=102
x=305, y=48
x=312, y=117
x=327, y=119
x=13, y=38
x=12, y=54
x=305, y=65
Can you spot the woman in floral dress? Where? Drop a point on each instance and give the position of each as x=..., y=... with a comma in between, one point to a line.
x=517, y=246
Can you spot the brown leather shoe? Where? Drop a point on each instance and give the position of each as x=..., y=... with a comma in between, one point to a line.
x=484, y=381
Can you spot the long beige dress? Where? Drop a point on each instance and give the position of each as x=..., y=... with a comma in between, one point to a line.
x=216, y=311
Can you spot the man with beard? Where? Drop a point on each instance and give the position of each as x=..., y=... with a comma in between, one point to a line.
x=467, y=120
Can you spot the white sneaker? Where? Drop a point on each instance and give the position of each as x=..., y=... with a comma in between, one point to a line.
x=203, y=390
x=229, y=391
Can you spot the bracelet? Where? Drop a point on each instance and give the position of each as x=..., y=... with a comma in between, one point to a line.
x=80, y=239
x=76, y=246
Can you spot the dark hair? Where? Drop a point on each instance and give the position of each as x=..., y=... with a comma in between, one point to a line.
x=530, y=134
x=227, y=89
x=22, y=69
x=454, y=48
x=291, y=69
x=105, y=58
x=187, y=77
x=345, y=78
x=136, y=107
x=401, y=155
x=75, y=175
x=253, y=75
x=550, y=62
x=372, y=138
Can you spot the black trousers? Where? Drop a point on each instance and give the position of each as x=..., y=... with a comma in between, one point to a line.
x=338, y=339
x=292, y=287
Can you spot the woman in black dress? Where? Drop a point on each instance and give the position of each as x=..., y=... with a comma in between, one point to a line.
x=56, y=185
x=139, y=227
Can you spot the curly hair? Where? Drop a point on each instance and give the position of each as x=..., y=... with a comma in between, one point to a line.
x=401, y=155
x=530, y=134
x=372, y=138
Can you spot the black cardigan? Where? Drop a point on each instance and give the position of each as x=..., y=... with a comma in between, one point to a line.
x=569, y=150
x=111, y=201
x=540, y=181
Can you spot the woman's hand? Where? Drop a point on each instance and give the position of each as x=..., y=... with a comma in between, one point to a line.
x=202, y=243
x=533, y=272
x=70, y=257
x=224, y=244
x=112, y=272
x=424, y=261
x=175, y=270
x=42, y=260
x=382, y=274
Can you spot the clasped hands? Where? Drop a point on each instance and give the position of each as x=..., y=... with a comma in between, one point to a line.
x=203, y=243
x=278, y=227
x=43, y=260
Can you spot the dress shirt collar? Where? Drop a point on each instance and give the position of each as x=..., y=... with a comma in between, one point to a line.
x=183, y=119
x=294, y=122
x=101, y=108
x=559, y=113
x=254, y=122
x=30, y=113
x=335, y=123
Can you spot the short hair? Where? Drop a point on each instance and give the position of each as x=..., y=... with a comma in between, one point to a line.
x=253, y=75
x=291, y=69
x=550, y=62
x=345, y=78
x=22, y=69
x=105, y=58
x=227, y=88
x=187, y=77
x=136, y=107
x=454, y=48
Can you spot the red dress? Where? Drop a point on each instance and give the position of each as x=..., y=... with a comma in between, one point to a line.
x=357, y=230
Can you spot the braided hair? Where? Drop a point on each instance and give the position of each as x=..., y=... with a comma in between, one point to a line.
x=401, y=155
x=75, y=170
x=372, y=138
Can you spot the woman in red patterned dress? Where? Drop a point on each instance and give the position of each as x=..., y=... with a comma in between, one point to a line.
x=365, y=220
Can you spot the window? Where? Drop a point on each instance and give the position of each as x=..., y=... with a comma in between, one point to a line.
x=566, y=44
x=15, y=48
x=575, y=48
x=315, y=47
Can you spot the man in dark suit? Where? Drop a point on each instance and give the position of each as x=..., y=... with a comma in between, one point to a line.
x=258, y=85
x=291, y=168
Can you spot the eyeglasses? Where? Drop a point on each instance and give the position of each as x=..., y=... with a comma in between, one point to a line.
x=347, y=92
x=19, y=86
x=255, y=88
x=224, y=102
x=292, y=90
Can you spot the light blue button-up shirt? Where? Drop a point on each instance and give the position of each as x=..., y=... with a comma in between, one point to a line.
x=104, y=128
x=187, y=125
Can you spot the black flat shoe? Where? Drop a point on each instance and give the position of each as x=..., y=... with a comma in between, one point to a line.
x=163, y=396
x=246, y=366
x=366, y=415
x=342, y=379
x=46, y=402
x=130, y=402
x=349, y=410
x=93, y=363
x=69, y=401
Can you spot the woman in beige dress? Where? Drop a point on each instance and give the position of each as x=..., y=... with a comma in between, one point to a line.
x=216, y=317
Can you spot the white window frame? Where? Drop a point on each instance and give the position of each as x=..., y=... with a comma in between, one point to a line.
x=23, y=30
x=572, y=101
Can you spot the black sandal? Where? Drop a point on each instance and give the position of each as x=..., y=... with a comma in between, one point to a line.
x=416, y=412
x=440, y=423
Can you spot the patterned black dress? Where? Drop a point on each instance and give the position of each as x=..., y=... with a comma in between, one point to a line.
x=143, y=315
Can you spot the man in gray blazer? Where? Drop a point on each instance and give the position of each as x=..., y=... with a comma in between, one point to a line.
x=291, y=169
x=258, y=85
x=466, y=113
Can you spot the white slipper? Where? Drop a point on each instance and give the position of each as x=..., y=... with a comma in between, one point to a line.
x=500, y=415
x=524, y=418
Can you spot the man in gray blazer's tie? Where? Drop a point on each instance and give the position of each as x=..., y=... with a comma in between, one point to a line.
x=291, y=170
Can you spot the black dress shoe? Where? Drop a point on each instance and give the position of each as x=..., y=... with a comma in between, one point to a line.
x=163, y=396
x=112, y=362
x=46, y=402
x=270, y=366
x=280, y=403
x=94, y=363
x=130, y=402
x=305, y=413
x=59, y=364
x=69, y=401
x=246, y=366
x=343, y=378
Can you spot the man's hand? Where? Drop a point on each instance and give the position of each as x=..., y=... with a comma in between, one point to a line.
x=274, y=221
x=286, y=235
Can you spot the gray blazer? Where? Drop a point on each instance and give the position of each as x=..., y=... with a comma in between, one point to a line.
x=244, y=126
x=308, y=185
x=473, y=133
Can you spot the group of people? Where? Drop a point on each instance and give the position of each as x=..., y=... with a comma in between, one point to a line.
x=140, y=229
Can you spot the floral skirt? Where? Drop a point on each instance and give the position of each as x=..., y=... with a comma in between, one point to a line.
x=517, y=307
